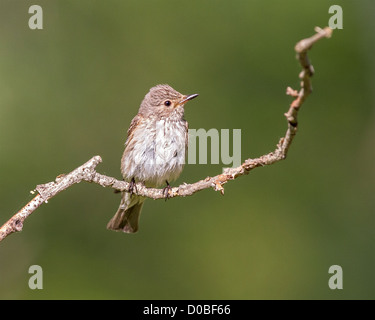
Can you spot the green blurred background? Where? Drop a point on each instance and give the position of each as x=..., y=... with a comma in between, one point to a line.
x=68, y=92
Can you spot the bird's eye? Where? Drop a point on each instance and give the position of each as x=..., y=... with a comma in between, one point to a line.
x=167, y=103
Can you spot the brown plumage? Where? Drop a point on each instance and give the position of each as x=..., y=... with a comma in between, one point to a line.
x=154, y=150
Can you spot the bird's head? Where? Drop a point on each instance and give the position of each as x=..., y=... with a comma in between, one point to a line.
x=163, y=101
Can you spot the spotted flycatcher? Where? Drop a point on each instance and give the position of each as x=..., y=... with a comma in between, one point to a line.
x=154, y=150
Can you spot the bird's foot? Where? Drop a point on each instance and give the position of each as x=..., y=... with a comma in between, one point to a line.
x=132, y=186
x=167, y=190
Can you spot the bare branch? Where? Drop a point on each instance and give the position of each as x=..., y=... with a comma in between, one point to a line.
x=87, y=171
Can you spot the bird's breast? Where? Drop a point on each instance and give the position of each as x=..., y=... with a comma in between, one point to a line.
x=156, y=151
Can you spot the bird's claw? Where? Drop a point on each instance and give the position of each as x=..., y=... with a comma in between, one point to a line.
x=166, y=191
x=132, y=186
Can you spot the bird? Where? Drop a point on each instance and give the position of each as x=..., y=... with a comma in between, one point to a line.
x=155, y=151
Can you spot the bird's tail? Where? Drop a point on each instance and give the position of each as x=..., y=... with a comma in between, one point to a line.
x=126, y=218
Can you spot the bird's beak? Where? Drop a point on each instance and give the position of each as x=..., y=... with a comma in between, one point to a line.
x=187, y=98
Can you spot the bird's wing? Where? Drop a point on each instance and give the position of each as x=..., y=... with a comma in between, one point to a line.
x=133, y=125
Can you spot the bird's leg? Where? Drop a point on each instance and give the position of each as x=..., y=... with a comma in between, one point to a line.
x=132, y=186
x=166, y=190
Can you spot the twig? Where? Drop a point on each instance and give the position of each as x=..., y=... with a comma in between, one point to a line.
x=87, y=171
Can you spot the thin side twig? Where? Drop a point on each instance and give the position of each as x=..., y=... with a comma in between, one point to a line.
x=87, y=172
